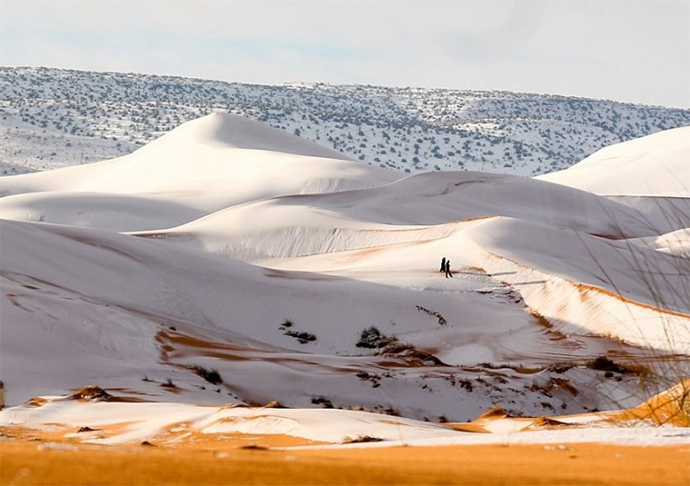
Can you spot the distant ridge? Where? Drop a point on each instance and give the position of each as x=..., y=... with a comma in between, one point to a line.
x=55, y=117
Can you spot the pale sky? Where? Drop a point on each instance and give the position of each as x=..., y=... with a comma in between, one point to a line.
x=625, y=50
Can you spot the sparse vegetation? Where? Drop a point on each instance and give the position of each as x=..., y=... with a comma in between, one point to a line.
x=664, y=371
x=92, y=116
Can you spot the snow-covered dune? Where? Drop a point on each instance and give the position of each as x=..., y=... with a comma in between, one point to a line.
x=104, y=419
x=97, y=302
x=225, y=246
x=655, y=165
x=581, y=282
x=209, y=164
x=366, y=218
x=650, y=174
x=111, y=211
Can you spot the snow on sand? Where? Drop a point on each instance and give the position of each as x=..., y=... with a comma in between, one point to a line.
x=226, y=251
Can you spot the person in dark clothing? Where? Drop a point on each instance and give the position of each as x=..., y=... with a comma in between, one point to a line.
x=443, y=264
x=448, y=273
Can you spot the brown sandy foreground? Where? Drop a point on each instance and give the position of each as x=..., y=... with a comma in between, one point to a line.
x=58, y=463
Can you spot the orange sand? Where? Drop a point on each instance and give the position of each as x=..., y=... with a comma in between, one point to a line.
x=26, y=462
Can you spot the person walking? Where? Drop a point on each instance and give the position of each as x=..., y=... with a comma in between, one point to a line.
x=448, y=272
x=443, y=264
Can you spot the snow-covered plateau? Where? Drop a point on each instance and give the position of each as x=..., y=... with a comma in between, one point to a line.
x=228, y=265
x=56, y=117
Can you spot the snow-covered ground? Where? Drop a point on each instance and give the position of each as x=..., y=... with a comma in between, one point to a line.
x=231, y=263
x=95, y=417
x=55, y=117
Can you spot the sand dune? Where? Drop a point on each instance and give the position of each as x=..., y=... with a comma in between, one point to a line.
x=209, y=164
x=228, y=264
x=325, y=223
x=109, y=211
x=655, y=165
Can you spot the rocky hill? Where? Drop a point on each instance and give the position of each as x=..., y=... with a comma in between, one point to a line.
x=53, y=117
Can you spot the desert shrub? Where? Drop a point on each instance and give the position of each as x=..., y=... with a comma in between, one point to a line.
x=371, y=338
x=410, y=354
x=322, y=401
x=91, y=392
x=466, y=385
x=441, y=320
x=602, y=363
x=169, y=384
x=302, y=336
x=373, y=378
x=390, y=346
x=361, y=438
x=286, y=324
x=560, y=367
x=212, y=376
